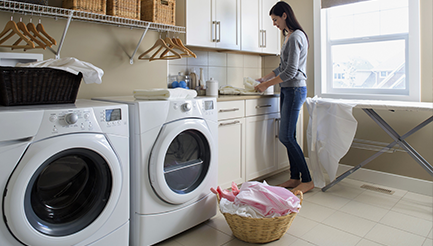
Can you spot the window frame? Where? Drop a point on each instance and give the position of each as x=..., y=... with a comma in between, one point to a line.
x=323, y=62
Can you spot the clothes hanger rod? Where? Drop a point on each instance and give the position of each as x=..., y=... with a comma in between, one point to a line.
x=131, y=58
x=71, y=13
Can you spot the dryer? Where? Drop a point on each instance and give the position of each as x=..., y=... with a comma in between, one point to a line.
x=173, y=165
x=64, y=174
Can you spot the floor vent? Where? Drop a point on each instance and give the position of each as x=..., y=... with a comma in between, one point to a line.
x=378, y=189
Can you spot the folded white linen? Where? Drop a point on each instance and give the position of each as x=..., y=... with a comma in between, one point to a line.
x=248, y=89
x=91, y=73
x=164, y=94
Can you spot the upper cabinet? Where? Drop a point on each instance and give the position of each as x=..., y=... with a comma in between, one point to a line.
x=210, y=23
x=257, y=31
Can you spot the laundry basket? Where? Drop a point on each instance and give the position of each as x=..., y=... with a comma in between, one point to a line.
x=32, y=86
x=260, y=230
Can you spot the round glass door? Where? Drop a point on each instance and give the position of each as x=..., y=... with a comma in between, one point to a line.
x=180, y=161
x=63, y=190
x=68, y=192
x=186, y=161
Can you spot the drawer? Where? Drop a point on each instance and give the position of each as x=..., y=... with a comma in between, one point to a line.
x=231, y=109
x=261, y=106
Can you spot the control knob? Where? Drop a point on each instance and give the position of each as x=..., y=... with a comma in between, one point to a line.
x=186, y=107
x=71, y=118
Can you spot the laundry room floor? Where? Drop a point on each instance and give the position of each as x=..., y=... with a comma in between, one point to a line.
x=344, y=215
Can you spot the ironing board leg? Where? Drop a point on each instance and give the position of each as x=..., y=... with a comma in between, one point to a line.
x=397, y=140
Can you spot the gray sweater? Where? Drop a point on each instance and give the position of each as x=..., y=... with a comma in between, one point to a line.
x=293, y=61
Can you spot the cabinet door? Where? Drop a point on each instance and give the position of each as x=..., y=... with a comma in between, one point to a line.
x=271, y=34
x=227, y=24
x=231, y=152
x=260, y=142
x=199, y=27
x=250, y=27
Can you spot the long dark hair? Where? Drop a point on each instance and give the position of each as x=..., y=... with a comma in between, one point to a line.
x=292, y=23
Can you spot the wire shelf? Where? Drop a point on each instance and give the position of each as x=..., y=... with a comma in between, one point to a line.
x=54, y=12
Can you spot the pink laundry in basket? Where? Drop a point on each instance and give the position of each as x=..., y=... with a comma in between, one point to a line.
x=267, y=200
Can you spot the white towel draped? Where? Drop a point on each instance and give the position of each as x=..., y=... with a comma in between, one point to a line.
x=164, y=94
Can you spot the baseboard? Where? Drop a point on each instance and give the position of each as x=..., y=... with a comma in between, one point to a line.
x=418, y=186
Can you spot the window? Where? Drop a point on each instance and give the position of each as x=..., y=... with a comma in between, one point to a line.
x=367, y=49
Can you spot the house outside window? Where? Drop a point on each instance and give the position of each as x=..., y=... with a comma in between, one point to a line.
x=367, y=49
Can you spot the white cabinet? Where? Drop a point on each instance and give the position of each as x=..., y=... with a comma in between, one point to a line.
x=248, y=144
x=261, y=115
x=210, y=23
x=257, y=31
x=231, y=143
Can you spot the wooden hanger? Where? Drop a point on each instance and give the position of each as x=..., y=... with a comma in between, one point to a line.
x=178, y=41
x=173, y=44
x=12, y=27
x=32, y=28
x=26, y=32
x=161, y=44
x=40, y=28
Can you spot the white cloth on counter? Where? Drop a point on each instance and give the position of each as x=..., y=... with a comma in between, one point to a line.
x=164, y=94
x=91, y=73
x=248, y=89
x=260, y=200
x=330, y=132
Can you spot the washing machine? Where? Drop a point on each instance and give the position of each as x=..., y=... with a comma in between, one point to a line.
x=64, y=174
x=173, y=165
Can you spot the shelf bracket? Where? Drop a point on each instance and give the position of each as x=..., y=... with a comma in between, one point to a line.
x=131, y=59
x=71, y=13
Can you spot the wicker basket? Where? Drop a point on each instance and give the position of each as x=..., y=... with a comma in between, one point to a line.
x=260, y=230
x=124, y=8
x=159, y=11
x=41, y=2
x=30, y=86
x=94, y=6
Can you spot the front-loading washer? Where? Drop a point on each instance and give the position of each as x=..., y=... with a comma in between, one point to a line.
x=173, y=165
x=64, y=174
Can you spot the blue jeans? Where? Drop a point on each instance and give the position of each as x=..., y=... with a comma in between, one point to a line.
x=291, y=101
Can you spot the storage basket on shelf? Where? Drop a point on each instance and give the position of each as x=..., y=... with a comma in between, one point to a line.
x=41, y=2
x=260, y=230
x=93, y=6
x=124, y=8
x=159, y=11
x=31, y=86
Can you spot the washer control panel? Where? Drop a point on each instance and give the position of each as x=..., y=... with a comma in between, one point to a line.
x=82, y=120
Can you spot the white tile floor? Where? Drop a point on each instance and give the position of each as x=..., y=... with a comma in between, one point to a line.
x=344, y=215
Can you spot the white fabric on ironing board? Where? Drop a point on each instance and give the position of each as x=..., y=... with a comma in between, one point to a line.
x=332, y=127
x=164, y=94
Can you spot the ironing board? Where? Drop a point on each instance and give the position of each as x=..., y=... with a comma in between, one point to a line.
x=370, y=107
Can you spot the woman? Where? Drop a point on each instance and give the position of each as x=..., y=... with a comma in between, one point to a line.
x=291, y=75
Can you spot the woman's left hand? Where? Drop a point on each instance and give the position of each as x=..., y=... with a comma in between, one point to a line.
x=261, y=87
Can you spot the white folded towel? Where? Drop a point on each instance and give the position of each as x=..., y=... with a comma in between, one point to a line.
x=164, y=94
x=249, y=85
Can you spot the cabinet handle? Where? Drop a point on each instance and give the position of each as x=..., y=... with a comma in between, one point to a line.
x=213, y=31
x=261, y=39
x=264, y=39
x=219, y=31
x=263, y=106
x=230, y=123
x=277, y=128
x=228, y=110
